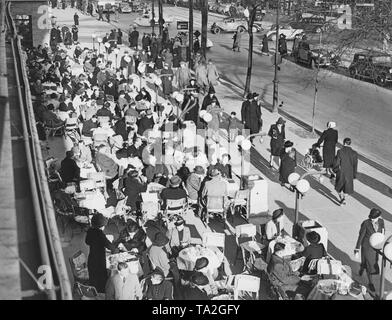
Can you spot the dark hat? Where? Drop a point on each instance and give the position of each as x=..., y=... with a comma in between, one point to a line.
x=160, y=240
x=132, y=226
x=279, y=246
x=211, y=90
x=201, y=263
x=288, y=144
x=133, y=173
x=255, y=94
x=98, y=221
x=313, y=237
x=175, y=181
x=281, y=121
x=199, y=279
x=63, y=107
x=214, y=172
x=277, y=213
x=180, y=221
x=199, y=170
x=374, y=213
x=249, y=96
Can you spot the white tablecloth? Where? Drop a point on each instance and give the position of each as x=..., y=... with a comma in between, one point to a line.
x=95, y=201
x=113, y=259
x=85, y=171
x=187, y=258
x=292, y=246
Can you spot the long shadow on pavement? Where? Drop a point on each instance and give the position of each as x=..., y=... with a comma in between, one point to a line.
x=375, y=184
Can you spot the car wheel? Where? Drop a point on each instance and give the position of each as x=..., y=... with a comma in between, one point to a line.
x=381, y=80
x=353, y=73
x=216, y=30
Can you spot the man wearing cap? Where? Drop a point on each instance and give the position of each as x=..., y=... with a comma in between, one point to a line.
x=214, y=190
x=123, y=285
x=193, y=183
x=275, y=226
x=180, y=236
x=208, y=98
x=195, y=289
x=174, y=192
x=278, y=136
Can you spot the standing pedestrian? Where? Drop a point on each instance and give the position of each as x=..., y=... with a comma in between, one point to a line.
x=278, y=136
x=100, y=13
x=98, y=244
x=75, y=36
x=369, y=256
x=182, y=76
x=134, y=38
x=253, y=120
x=282, y=45
x=237, y=40
x=212, y=74
x=294, y=50
x=329, y=139
x=264, y=48
x=76, y=19
x=287, y=166
x=119, y=37
x=345, y=166
x=145, y=41
x=201, y=77
x=167, y=76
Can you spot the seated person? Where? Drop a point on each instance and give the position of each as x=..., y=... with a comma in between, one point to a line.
x=157, y=287
x=282, y=275
x=195, y=289
x=89, y=126
x=174, y=192
x=135, y=150
x=193, y=183
x=105, y=111
x=180, y=236
x=132, y=237
x=201, y=266
x=315, y=250
x=123, y=285
x=274, y=227
x=69, y=170
x=50, y=118
x=134, y=185
x=214, y=190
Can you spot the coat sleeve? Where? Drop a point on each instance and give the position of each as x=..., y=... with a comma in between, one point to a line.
x=280, y=272
x=355, y=164
x=321, y=139
x=361, y=236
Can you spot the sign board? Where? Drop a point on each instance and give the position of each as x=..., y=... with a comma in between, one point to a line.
x=182, y=25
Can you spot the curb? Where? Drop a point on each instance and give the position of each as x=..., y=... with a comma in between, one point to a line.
x=307, y=127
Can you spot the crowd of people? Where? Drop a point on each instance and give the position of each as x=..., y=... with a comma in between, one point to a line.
x=134, y=119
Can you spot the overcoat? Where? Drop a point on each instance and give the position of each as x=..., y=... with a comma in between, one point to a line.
x=277, y=139
x=345, y=166
x=329, y=138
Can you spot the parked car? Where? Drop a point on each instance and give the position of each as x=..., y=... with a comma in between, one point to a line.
x=125, y=8
x=145, y=18
x=287, y=30
x=375, y=66
x=313, y=55
x=232, y=25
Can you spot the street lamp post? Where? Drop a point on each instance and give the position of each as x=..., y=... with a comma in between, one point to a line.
x=190, y=52
x=316, y=82
x=245, y=144
x=275, y=97
x=99, y=39
x=385, y=249
x=301, y=186
x=93, y=36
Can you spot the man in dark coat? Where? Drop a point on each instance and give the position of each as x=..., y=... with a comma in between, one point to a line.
x=133, y=187
x=244, y=109
x=145, y=123
x=282, y=45
x=208, y=98
x=134, y=38
x=100, y=13
x=287, y=166
x=329, y=138
x=146, y=41
x=166, y=77
x=69, y=171
x=76, y=19
x=345, y=166
x=278, y=136
x=253, y=120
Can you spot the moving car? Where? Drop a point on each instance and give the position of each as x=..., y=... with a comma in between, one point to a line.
x=144, y=20
x=287, y=30
x=232, y=25
x=125, y=7
x=315, y=55
x=375, y=66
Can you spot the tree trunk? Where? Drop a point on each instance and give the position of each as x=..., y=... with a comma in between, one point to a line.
x=252, y=15
x=190, y=52
x=160, y=13
x=204, y=22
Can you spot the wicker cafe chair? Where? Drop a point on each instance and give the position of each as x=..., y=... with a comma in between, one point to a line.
x=248, y=283
x=88, y=292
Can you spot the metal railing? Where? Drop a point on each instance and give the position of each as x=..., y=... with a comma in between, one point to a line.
x=49, y=238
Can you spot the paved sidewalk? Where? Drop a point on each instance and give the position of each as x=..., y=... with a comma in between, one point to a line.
x=372, y=187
